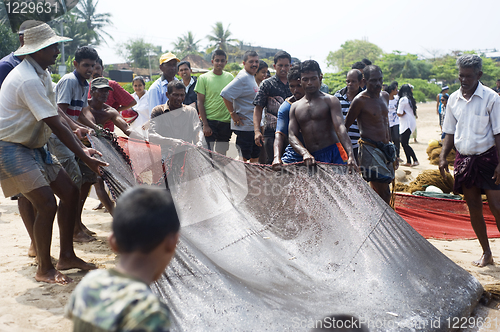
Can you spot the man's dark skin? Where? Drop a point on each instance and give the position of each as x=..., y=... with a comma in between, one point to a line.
x=97, y=72
x=169, y=69
x=279, y=138
x=319, y=118
x=102, y=113
x=370, y=108
x=44, y=202
x=175, y=100
x=469, y=81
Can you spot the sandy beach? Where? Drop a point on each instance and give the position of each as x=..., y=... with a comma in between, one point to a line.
x=31, y=306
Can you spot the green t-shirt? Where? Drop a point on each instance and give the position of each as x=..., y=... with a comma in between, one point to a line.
x=107, y=300
x=211, y=86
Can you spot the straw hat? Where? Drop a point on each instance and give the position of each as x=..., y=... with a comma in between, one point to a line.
x=39, y=37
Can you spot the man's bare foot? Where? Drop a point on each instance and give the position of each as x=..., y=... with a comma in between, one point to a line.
x=74, y=263
x=32, y=250
x=53, y=277
x=98, y=207
x=486, y=259
x=83, y=237
x=86, y=230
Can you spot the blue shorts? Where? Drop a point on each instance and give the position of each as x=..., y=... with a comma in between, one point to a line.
x=23, y=170
x=291, y=156
x=331, y=154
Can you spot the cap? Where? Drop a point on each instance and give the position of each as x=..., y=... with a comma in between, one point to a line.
x=167, y=57
x=100, y=83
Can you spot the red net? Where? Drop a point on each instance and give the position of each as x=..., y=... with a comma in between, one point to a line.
x=438, y=218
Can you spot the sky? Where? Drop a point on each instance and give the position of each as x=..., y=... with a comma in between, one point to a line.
x=310, y=29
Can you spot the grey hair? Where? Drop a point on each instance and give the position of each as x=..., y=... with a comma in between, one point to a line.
x=470, y=61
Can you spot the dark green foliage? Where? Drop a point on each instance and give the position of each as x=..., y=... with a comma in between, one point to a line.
x=9, y=41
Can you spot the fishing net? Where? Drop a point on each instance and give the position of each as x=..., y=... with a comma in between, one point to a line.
x=276, y=251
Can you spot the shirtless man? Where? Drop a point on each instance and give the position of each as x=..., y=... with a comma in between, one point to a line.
x=376, y=154
x=102, y=114
x=319, y=118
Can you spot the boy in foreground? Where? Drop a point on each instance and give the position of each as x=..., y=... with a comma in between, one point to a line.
x=145, y=234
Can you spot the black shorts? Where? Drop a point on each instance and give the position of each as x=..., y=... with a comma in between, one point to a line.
x=245, y=141
x=221, y=131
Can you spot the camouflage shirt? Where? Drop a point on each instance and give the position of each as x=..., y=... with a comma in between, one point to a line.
x=107, y=300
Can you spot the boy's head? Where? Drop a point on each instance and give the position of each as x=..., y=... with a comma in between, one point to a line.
x=145, y=222
x=85, y=59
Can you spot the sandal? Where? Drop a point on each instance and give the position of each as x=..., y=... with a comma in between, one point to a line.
x=415, y=163
x=406, y=164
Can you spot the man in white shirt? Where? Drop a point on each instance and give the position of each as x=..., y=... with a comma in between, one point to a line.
x=472, y=124
x=28, y=115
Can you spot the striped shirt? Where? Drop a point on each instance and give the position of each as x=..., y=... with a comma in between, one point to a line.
x=72, y=91
x=352, y=131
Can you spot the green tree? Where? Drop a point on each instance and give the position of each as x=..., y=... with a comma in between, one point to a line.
x=220, y=38
x=445, y=69
x=138, y=53
x=397, y=65
x=9, y=41
x=96, y=23
x=73, y=28
x=352, y=51
x=185, y=45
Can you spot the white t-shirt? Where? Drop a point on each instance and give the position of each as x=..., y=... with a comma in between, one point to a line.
x=408, y=119
x=26, y=98
x=474, y=122
x=393, y=116
x=143, y=111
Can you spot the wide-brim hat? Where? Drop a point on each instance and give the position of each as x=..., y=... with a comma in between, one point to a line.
x=167, y=57
x=39, y=37
x=100, y=83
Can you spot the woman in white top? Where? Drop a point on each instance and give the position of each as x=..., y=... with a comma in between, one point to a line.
x=392, y=90
x=407, y=111
x=142, y=107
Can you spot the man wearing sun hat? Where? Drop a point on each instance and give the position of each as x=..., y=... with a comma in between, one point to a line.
x=28, y=115
x=10, y=61
x=158, y=90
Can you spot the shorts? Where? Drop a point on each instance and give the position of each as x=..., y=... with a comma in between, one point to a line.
x=245, y=141
x=88, y=175
x=23, y=170
x=333, y=154
x=221, y=131
x=66, y=158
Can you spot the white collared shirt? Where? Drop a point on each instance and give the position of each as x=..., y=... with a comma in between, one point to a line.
x=474, y=122
x=190, y=83
x=26, y=98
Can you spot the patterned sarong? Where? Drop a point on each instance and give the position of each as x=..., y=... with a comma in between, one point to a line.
x=476, y=171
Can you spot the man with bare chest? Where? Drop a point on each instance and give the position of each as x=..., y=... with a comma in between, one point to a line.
x=319, y=118
x=376, y=154
x=102, y=112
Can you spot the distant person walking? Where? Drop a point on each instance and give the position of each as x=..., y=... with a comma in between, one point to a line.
x=407, y=112
x=439, y=104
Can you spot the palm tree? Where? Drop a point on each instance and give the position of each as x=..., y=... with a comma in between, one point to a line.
x=87, y=12
x=220, y=38
x=186, y=45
